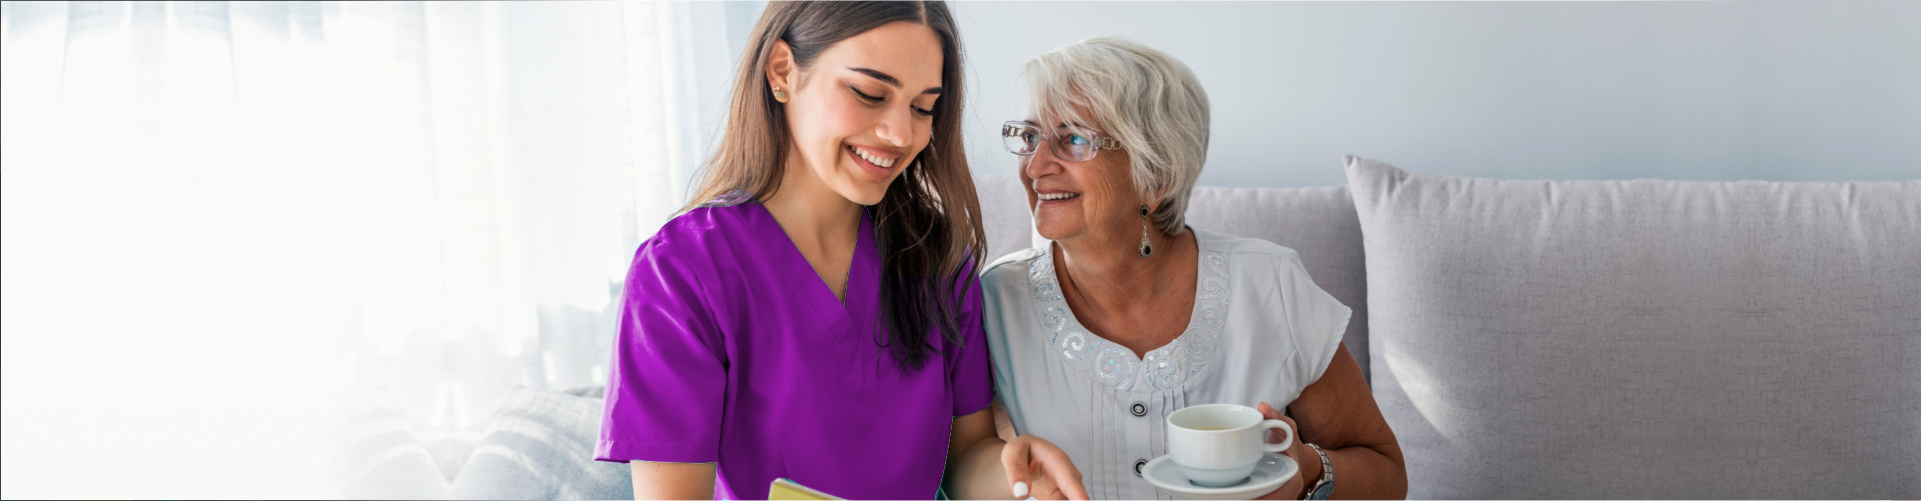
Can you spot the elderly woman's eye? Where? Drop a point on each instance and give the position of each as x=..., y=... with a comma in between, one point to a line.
x=1079, y=140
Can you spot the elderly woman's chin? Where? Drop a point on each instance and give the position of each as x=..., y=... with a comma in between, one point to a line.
x=1053, y=225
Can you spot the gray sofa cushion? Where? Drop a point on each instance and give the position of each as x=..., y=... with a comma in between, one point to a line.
x=1317, y=222
x=382, y=457
x=1004, y=210
x=1645, y=339
x=540, y=445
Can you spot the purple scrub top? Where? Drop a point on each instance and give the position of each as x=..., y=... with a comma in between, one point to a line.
x=731, y=350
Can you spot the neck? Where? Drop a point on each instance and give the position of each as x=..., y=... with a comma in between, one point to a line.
x=1110, y=272
x=811, y=213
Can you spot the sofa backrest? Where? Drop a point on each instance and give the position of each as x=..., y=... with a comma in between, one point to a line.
x=1010, y=226
x=1319, y=223
x=1645, y=339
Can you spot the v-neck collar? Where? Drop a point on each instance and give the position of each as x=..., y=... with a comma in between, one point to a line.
x=1111, y=364
x=1194, y=314
x=862, y=273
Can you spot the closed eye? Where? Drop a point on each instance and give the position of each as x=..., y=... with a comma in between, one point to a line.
x=877, y=99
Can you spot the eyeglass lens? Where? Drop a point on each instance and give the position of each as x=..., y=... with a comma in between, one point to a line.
x=1068, y=143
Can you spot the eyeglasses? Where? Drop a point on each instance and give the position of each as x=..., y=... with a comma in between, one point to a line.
x=1073, y=144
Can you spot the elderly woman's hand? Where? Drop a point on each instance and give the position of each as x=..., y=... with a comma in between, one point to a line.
x=1303, y=456
x=1037, y=468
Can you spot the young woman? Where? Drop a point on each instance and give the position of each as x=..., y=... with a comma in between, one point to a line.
x=814, y=314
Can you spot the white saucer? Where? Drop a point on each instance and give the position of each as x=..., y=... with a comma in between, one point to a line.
x=1269, y=474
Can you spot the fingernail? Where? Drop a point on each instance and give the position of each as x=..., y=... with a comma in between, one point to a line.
x=1020, y=490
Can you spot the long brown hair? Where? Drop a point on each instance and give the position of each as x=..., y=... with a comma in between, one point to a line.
x=928, y=223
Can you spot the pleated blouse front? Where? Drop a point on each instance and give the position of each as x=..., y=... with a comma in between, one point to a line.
x=1260, y=331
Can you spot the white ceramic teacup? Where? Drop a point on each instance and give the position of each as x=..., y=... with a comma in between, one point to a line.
x=1218, y=445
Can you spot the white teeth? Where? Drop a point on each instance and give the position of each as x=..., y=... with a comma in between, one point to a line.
x=1058, y=196
x=883, y=162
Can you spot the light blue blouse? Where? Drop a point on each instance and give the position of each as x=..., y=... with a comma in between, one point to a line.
x=1260, y=331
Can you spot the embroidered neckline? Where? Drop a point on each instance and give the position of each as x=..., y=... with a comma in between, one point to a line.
x=1113, y=365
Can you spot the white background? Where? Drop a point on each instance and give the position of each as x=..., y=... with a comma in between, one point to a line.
x=1779, y=91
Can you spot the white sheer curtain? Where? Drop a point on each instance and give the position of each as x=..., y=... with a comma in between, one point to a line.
x=218, y=216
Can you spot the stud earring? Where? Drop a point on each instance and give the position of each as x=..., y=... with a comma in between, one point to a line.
x=780, y=95
x=1147, y=246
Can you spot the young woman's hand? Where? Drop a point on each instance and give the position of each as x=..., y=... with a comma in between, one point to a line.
x=1038, y=469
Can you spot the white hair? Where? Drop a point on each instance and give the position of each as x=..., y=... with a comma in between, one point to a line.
x=1142, y=97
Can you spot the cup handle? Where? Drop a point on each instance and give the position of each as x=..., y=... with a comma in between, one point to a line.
x=1285, y=443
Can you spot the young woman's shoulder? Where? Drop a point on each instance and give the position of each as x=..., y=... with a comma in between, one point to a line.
x=694, y=237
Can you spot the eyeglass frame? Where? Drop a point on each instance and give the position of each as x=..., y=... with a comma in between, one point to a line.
x=1012, y=128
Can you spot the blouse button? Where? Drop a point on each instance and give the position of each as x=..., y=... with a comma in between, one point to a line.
x=1139, y=409
x=1138, y=464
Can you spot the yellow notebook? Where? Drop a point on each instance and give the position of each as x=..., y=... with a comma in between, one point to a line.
x=788, y=489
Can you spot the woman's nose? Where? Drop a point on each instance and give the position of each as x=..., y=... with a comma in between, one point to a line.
x=897, y=127
x=1041, y=162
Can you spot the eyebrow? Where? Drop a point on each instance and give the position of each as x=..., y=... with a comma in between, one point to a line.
x=1062, y=125
x=890, y=80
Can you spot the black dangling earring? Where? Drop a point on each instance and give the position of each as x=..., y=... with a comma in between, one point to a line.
x=1147, y=246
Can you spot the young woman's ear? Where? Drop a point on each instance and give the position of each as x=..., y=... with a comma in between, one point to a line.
x=780, y=71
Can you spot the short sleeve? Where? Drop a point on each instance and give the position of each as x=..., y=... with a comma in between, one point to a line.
x=665, y=391
x=972, y=378
x=1316, y=320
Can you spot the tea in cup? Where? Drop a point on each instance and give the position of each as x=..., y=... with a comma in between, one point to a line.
x=1218, y=445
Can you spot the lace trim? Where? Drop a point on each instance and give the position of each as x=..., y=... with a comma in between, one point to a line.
x=1114, y=365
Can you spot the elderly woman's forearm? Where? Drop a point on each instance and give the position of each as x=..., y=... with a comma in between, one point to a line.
x=1366, y=472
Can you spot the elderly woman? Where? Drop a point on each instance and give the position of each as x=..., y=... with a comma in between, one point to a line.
x=1129, y=315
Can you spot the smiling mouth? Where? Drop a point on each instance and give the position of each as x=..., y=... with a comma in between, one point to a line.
x=1057, y=196
x=885, y=163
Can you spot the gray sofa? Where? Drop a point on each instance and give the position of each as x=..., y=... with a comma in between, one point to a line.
x=1525, y=339
x=536, y=445
x=1611, y=339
